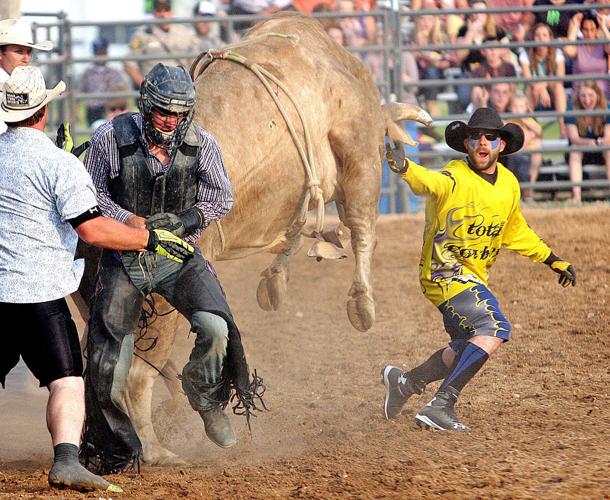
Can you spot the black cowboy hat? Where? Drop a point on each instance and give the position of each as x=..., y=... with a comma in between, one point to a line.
x=487, y=119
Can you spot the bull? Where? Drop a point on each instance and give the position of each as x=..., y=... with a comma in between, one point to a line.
x=300, y=124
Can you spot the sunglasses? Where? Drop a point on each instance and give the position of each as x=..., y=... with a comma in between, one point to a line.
x=113, y=109
x=490, y=136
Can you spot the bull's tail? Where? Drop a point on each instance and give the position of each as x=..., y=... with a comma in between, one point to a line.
x=398, y=111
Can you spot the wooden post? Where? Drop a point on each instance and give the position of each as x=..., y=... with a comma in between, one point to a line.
x=10, y=9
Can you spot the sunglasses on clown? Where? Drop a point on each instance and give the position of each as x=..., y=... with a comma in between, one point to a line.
x=477, y=134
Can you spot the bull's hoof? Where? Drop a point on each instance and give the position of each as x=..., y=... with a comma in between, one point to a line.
x=271, y=291
x=361, y=313
x=161, y=456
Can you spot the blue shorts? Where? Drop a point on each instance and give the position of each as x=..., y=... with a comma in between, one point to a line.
x=475, y=311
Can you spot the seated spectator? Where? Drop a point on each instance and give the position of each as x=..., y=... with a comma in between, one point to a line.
x=450, y=22
x=558, y=20
x=544, y=61
x=114, y=107
x=326, y=22
x=494, y=65
x=604, y=12
x=589, y=58
x=430, y=63
x=476, y=28
x=205, y=29
x=496, y=96
x=525, y=166
x=588, y=131
x=309, y=6
x=515, y=23
x=99, y=77
x=336, y=33
x=354, y=28
x=256, y=7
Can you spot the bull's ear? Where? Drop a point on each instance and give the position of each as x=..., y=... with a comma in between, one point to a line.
x=399, y=134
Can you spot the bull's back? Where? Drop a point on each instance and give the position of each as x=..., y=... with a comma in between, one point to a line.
x=330, y=88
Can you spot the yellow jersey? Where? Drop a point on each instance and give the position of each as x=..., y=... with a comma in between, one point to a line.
x=468, y=220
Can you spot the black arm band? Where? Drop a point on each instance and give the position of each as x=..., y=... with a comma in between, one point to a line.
x=192, y=220
x=551, y=258
x=92, y=213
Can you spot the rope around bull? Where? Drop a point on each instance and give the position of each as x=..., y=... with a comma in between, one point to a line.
x=306, y=154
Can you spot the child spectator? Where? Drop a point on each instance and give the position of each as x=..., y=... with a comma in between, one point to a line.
x=588, y=131
x=525, y=166
x=113, y=107
x=544, y=61
x=589, y=58
x=496, y=63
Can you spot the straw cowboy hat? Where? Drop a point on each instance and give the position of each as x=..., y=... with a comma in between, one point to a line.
x=19, y=32
x=24, y=93
x=485, y=119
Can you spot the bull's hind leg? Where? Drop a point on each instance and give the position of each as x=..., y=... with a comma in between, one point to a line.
x=145, y=369
x=273, y=285
x=357, y=208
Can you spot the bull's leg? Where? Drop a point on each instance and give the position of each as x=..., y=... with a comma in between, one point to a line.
x=272, y=287
x=138, y=395
x=358, y=211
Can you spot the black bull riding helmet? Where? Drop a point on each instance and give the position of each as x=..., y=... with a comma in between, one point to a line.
x=167, y=89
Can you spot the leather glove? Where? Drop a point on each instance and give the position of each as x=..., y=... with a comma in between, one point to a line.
x=64, y=141
x=395, y=155
x=168, y=245
x=168, y=221
x=566, y=271
x=184, y=223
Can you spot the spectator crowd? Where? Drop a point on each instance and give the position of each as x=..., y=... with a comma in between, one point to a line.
x=478, y=35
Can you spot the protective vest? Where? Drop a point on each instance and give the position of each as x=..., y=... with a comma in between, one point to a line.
x=138, y=189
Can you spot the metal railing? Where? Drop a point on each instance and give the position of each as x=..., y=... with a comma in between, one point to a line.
x=390, y=47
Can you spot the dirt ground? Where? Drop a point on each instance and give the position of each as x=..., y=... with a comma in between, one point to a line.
x=539, y=409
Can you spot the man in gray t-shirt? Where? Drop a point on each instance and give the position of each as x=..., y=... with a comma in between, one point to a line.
x=47, y=201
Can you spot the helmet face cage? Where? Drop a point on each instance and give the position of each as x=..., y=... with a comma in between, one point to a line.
x=170, y=90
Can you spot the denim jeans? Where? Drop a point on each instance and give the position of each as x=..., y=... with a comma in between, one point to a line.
x=122, y=284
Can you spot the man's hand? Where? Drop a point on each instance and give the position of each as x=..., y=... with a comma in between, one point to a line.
x=168, y=221
x=168, y=245
x=395, y=155
x=64, y=141
x=566, y=271
x=184, y=223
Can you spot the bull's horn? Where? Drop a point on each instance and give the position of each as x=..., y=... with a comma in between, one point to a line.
x=397, y=111
x=399, y=134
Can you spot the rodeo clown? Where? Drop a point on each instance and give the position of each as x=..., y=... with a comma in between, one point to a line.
x=472, y=211
x=156, y=169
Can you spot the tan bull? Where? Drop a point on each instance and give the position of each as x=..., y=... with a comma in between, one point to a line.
x=328, y=98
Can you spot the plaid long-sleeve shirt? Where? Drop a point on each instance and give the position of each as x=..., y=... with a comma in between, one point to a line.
x=214, y=194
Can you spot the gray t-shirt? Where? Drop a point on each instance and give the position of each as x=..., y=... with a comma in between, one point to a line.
x=41, y=188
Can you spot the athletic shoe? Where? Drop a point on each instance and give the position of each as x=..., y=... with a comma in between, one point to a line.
x=438, y=413
x=398, y=388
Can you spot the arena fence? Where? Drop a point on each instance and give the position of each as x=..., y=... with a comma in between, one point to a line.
x=394, y=24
